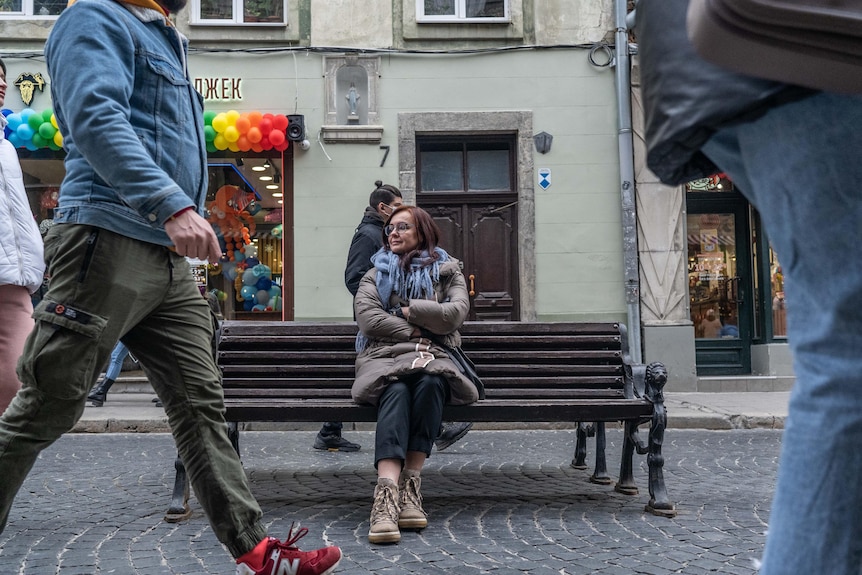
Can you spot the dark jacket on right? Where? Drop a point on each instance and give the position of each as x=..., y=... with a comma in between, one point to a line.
x=686, y=99
x=367, y=239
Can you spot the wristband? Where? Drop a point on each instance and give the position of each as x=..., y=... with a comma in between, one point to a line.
x=173, y=217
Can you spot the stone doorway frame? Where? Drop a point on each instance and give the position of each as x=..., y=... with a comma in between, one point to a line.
x=411, y=124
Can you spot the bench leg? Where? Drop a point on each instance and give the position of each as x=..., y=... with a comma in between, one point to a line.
x=179, y=509
x=584, y=431
x=600, y=475
x=659, y=504
x=233, y=435
x=626, y=484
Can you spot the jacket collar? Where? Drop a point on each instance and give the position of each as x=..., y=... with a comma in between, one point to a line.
x=151, y=4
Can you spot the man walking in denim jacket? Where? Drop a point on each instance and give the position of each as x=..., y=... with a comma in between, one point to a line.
x=128, y=213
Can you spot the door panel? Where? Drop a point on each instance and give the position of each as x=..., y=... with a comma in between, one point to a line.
x=720, y=280
x=451, y=228
x=490, y=272
x=487, y=250
x=468, y=185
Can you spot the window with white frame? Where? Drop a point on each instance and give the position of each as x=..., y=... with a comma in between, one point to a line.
x=31, y=8
x=462, y=11
x=233, y=12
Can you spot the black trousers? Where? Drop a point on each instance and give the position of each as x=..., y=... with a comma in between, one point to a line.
x=409, y=415
x=331, y=428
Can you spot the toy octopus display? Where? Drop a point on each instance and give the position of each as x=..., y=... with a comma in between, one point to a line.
x=48, y=201
x=235, y=226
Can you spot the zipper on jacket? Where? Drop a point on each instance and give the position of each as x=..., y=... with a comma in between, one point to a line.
x=88, y=255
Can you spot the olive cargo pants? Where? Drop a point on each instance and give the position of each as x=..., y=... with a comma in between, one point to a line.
x=103, y=287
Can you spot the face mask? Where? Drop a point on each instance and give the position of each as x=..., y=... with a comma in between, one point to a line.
x=390, y=208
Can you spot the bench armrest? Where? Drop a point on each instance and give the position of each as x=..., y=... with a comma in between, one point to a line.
x=635, y=379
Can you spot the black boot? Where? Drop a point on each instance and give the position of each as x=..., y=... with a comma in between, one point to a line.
x=334, y=443
x=100, y=392
x=450, y=432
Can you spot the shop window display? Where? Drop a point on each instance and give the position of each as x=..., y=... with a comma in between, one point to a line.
x=243, y=205
x=779, y=311
x=712, y=274
x=259, y=222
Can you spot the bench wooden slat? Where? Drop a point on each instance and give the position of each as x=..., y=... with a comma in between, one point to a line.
x=344, y=340
x=503, y=371
x=282, y=356
x=267, y=328
x=607, y=409
x=517, y=328
x=514, y=389
x=254, y=393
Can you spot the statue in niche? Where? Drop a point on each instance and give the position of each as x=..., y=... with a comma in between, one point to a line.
x=352, y=98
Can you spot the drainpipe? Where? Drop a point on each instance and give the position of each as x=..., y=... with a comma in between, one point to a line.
x=622, y=76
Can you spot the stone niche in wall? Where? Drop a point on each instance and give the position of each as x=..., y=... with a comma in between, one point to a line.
x=351, y=88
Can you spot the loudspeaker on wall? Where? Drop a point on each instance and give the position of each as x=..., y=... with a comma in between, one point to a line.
x=295, y=127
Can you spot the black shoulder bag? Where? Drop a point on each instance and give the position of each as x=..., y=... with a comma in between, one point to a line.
x=460, y=359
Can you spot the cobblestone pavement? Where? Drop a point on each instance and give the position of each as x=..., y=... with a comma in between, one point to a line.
x=499, y=502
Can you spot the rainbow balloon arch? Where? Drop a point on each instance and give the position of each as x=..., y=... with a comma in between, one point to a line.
x=231, y=130
x=32, y=130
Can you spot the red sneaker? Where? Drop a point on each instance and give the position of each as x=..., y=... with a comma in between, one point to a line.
x=272, y=557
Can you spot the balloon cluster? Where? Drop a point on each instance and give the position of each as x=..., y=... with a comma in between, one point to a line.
x=222, y=130
x=32, y=130
x=219, y=295
x=243, y=132
x=253, y=282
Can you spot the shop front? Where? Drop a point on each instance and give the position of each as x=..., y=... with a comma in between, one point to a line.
x=245, y=203
x=246, y=206
x=735, y=283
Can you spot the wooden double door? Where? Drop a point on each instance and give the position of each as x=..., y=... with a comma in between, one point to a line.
x=482, y=232
x=468, y=185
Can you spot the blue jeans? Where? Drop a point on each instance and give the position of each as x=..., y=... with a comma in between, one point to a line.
x=801, y=166
x=117, y=357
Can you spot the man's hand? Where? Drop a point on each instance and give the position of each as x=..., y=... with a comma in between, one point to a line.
x=193, y=236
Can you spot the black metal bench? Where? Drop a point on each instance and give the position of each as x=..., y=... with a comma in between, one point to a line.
x=533, y=372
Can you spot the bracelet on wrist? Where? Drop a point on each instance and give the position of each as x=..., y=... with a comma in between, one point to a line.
x=173, y=217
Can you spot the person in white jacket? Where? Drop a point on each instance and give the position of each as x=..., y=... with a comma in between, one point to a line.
x=22, y=265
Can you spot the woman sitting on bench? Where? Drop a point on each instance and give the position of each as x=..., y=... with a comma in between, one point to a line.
x=413, y=286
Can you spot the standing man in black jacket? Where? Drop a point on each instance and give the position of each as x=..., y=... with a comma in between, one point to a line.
x=367, y=239
x=369, y=234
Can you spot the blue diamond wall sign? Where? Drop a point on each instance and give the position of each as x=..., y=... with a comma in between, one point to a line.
x=544, y=178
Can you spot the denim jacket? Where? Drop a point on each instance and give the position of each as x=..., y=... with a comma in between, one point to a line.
x=132, y=121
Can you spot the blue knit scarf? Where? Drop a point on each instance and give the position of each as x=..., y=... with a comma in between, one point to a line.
x=416, y=283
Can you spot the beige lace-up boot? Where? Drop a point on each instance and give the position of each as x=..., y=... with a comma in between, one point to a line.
x=384, y=513
x=412, y=515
